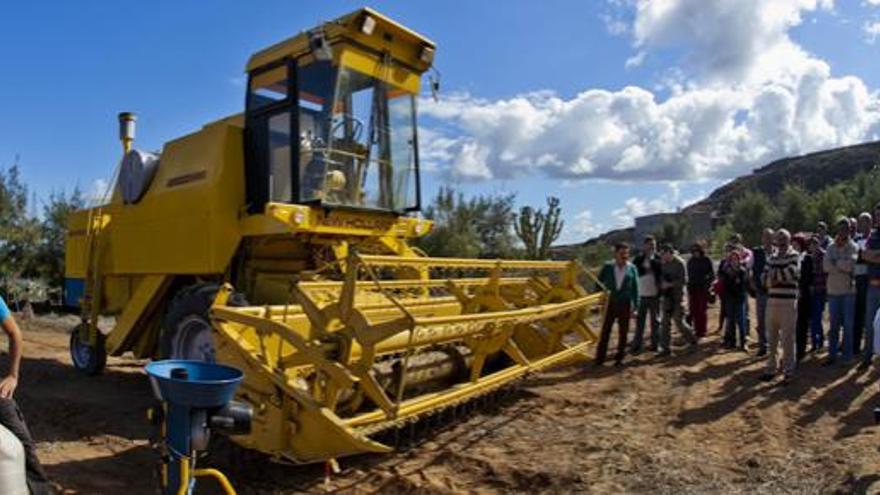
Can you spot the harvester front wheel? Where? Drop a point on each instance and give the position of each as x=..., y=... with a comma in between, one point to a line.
x=186, y=329
x=87, y=358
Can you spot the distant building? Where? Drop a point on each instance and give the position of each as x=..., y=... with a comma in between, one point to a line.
x=700, y=225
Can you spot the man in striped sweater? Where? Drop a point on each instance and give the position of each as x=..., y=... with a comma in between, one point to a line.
x=781, y=281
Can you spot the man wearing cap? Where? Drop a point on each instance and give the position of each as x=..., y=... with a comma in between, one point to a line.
x=781, y=281
x=673, y=279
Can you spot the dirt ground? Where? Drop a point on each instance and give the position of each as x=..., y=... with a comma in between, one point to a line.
x=697, y=422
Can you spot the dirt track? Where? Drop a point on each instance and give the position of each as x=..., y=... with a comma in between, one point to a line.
x=694, y=423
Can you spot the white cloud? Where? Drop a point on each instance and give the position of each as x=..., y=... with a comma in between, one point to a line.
x=615, y=24
x=699, y=196
x=745, y=94
x=637, y=207
x=635, y=61
x=726, y=40
x=434, y=149
x=872, y=29
x=675, y=191
x=99, y=193
x=582, y=227
x=616, y=27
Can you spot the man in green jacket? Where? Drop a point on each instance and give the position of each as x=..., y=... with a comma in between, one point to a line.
x=621, y=280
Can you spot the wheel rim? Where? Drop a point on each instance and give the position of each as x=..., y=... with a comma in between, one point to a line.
x=193, y=340
x=80, y=351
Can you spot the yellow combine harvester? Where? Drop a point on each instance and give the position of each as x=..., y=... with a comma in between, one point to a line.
x=277, y=241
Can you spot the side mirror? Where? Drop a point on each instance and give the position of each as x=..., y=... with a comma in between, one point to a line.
x=434, y=81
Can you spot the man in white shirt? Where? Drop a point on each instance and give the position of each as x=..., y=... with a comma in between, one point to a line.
x=648, y=266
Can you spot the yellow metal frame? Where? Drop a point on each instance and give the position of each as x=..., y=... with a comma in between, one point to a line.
x=336, y=331
x=399, y=42
x=337, y=294
x=186, y=476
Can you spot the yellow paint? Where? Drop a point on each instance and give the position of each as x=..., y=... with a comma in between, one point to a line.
x=149, y=289
x=289, y=343
x=404, y=45
x=218, y=476
x=184, y=476
x=372, y=65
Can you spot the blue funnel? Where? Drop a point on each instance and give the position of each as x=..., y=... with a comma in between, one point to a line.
x=194, y=384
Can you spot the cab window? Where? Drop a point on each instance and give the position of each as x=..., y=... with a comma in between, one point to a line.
x=268, y=87
x=268, y=134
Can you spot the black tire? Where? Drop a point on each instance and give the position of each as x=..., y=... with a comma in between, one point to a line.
x=86, y=358
x=186, y=329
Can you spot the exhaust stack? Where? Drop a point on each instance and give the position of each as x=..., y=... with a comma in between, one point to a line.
x=126, y=130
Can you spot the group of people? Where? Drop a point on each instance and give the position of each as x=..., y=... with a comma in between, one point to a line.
x=792, y=278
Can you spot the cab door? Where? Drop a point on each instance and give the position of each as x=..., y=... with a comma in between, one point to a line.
x=270, y=125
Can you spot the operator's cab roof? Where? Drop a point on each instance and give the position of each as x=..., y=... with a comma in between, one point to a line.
x=385, y=36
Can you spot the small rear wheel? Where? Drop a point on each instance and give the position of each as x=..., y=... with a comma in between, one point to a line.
x=87, y=358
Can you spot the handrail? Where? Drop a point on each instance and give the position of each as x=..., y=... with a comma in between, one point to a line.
x=392, y=260
x=412, y=283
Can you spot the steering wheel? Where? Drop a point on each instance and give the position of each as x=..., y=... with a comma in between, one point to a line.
x=357, y=126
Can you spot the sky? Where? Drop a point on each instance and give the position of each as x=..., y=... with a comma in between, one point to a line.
x=618, y=107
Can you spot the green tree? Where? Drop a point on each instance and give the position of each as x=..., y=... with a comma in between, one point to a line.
x=19, y=233
x=675, y=231
x=720, y=236
x=538, y=229
x=796, y=208
x=594, y=254
x=592, y=257
x=751, y=213
x=830, y=203
x=496, y=215
x=863, y=191
x=477, y=227
x=53, y=230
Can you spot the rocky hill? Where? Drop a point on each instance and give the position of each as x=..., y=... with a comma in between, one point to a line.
x=813, y=171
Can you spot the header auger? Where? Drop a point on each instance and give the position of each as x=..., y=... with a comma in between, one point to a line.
x=277, y=241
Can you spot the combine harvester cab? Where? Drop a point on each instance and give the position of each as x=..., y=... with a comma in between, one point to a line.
x=278, y=241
